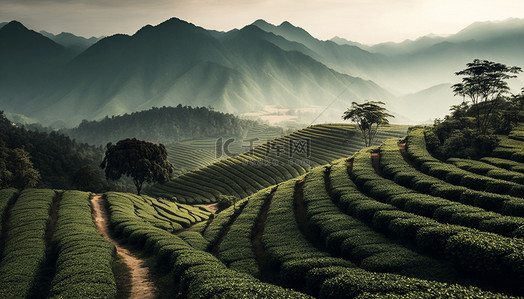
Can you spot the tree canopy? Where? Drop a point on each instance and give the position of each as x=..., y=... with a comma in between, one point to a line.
x=55, y=156
x=369, y=116
x=484, y=82
x=16, y=169
x=142, y=161
x=162, y=125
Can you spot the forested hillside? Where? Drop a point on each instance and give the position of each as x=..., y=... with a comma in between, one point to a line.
x=162, y=125
x=62, y=163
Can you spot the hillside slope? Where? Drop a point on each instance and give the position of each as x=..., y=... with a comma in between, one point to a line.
x=270, y=163
x=27, y=59
x=379, y=211
x=388, y=221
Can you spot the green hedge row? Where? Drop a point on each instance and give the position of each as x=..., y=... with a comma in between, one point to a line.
x=199, y=227
x=195, y=239
x=395, y=166
x=517, y=132
x=162, y=213
x=357, y=242
x=225, y=218
x=416, y=148
x=510, y=148
x=236, y=250
x=485, y=192
x=191, y=190
x=84, y=261
x=455, y=175
x=7, y=197
x=247, y=173
x=25, y=246
x=197, y=274
x=433, y=237
x=406, y=199
x=301, y=264
x=288, y=250
x=506, y=164
x=341, y=282
x=488, y=170
x=356, y=283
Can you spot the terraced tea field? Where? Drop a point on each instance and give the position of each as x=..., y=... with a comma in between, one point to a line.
x=270, y=163
x=193, y=154
x=50, y=246
x=389, y=221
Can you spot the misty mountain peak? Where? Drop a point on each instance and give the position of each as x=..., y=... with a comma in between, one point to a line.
x=249, y=34
x=14, y=26
x=298, y=33
x=68, y=35
x=287, y=24
x=490, y=29
x=15, y=34
x=176, y=23
x=251, y=28
x=169, y=27
x=260, y=22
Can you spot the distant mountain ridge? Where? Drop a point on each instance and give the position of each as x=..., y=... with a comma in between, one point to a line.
x=347, y=59
x=240, y=71
x=76, y=44
x=177, y=62
x=432, y=60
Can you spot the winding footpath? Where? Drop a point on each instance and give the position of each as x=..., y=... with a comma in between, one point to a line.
x=142, y=285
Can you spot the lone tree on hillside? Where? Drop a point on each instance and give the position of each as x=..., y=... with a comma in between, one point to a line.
x=484, y=83
x=369, y=116
x=142, y=161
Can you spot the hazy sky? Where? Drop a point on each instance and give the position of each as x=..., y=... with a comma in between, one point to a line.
x=365, y=21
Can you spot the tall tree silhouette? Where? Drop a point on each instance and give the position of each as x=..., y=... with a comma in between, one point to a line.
x=142, y=161
x=369, y=116
x=484, y=83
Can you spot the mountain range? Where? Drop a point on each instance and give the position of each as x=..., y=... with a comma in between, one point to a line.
x=432, y=60
x=75, y=44
x=62, y=79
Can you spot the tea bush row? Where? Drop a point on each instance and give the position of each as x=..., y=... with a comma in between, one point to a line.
x=25, y=244
x=197, y=274
x=84, y=257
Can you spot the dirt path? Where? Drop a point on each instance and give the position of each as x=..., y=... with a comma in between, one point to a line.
x=5, y=224
x=256, y=241
x=403, y=151
x=375, y=161
x=214, y=249
x=48, y=268
x=300, y=207
x=142, y=285
x=213, y=208
x=349, y=165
